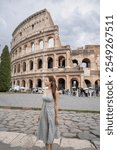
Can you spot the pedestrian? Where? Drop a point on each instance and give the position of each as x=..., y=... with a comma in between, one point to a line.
x=48, y=128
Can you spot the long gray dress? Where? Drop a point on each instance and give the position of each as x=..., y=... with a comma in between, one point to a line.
x=47, y=129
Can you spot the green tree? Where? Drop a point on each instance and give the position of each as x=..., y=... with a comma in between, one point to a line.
x=5, y=70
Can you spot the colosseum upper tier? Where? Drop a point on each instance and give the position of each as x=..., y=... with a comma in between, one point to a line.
x=37, y=53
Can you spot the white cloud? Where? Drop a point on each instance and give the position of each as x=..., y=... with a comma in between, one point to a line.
x=78, y=20
x=3, y=23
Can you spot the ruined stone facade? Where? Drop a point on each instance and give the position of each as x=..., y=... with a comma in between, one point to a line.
x=37, y=53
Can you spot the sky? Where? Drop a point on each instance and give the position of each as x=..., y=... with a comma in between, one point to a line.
x=78, y=20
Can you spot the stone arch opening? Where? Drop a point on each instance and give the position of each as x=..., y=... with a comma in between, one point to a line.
x=41, y=44
x=16, y=53
x=15, y=69
x=18, y=82
x=24, y=66
x=50, y=62
x=39, y=63
x=23, y=83
x=31, y=65
x=88, y=83
x=74, y=84
x=61, y=84
x=30, y=84
x=75, y=63
x=18, y=68
x=50, y=42
x=25, y=48
x=39, y=83
x=61, y=62
x=97, y=83
x=32, y=46
x=86, y=63
x=20, y=50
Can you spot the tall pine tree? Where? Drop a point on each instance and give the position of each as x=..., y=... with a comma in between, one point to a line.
x=5, y=70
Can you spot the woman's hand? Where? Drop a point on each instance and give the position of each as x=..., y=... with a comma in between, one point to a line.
x=57, y=121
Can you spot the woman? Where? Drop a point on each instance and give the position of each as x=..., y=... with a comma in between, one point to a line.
x=49, y=121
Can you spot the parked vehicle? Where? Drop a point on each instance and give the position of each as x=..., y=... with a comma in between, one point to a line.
x=38, y=90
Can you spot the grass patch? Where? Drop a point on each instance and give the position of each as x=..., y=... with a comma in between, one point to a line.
x=15, y=92
x=33, y=108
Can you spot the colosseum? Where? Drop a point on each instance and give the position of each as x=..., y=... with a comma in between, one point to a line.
x=37, y=52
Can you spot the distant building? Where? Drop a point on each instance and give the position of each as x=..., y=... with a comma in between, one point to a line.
x=37, y=53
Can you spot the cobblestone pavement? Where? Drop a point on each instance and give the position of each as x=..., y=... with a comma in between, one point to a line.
x=72, y=124
x=65, y=101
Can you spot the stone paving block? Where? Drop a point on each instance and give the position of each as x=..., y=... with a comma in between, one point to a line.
x=3, y=135
x=10, y=137
x=75, y=143
x=18, y=141
x=56, y=144
x=28, y=141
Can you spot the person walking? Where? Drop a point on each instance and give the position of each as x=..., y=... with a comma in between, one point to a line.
x=48, y=128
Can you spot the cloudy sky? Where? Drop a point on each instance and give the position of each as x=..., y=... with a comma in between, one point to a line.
x=78, y=20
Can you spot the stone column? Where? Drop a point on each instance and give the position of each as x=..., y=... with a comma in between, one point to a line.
x=43, y=85
x=44, y=62
x=27, y=66
x=55, y=61
x=20, y=82
x=57, y=42
x=12, y=84
x=34, y=64
x=68, y=59
x=45, y=43
x=34, y=82
x=36, y=45
x=27, y=84
x=28, y=47
x=67, y=82
x=21, y=67
x=82, y=84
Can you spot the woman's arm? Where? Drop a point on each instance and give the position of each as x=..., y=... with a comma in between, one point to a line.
x=56, y=108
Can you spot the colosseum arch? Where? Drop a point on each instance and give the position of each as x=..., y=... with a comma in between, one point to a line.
x=30, y=84
x=31, y=65
x=18, y=68
x=61, y=62
x=74, y=84
x=87, y=82
x=18, y=82
x=39, y=83
x=75, y=62
x=24, y=66
x=23, y=83
x=50, y=42
x=25, y=49
x=97, y=83
x=16, y=53
x=86, y=63
x=61, y=84
x=50, y=62
x=39, y=63
x=15, y=69
x=32, y=47
x=41, y=44
x=20, y=50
